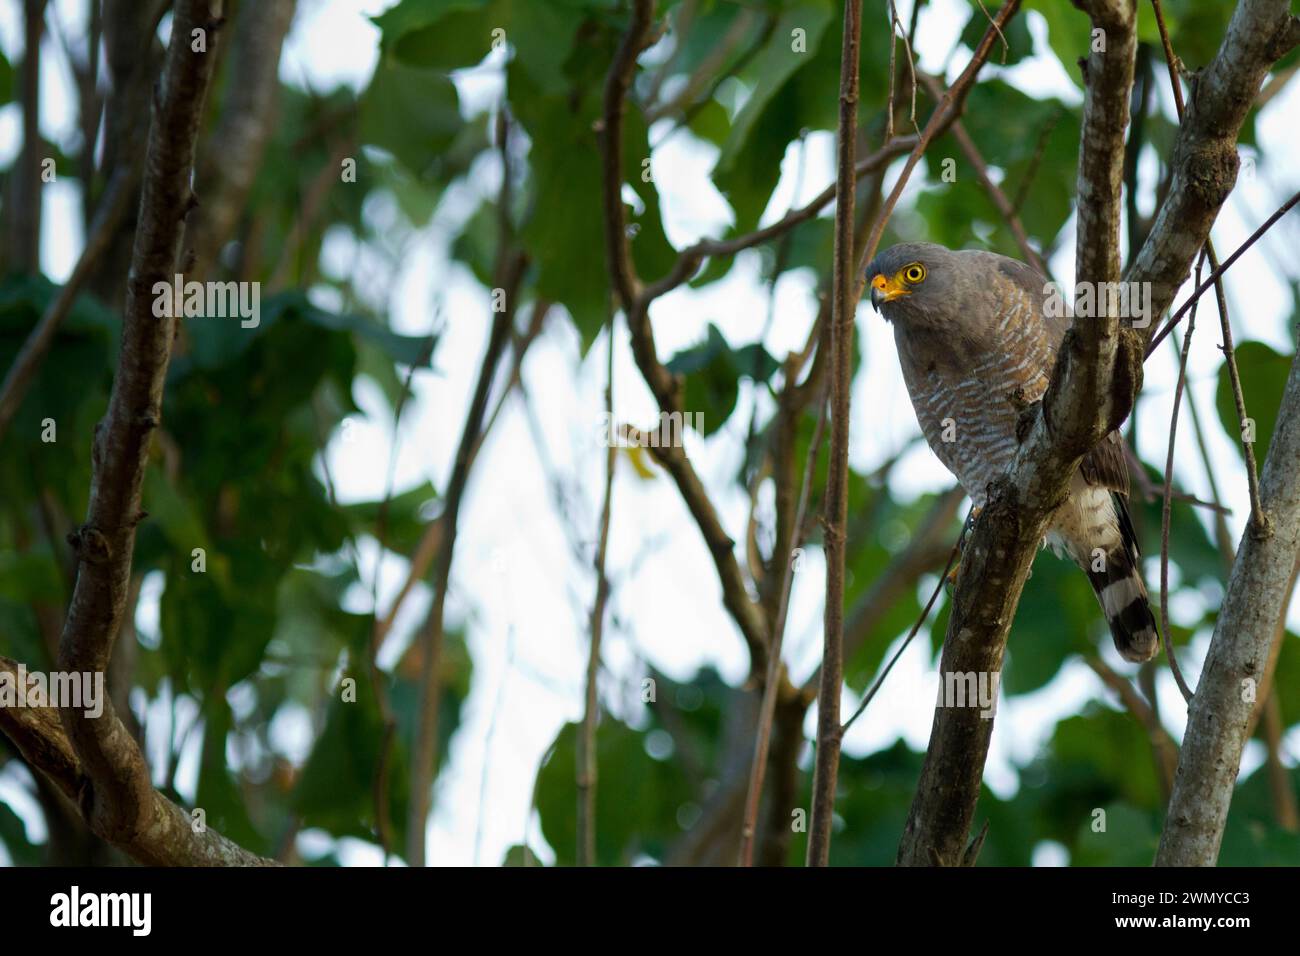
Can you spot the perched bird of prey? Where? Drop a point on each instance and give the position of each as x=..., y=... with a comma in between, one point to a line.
x=972, y=331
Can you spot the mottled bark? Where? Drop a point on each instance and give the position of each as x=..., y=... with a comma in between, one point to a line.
x=1108, y=81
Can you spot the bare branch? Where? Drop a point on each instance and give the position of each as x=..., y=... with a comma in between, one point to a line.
x=1108, y=83
x=690, y=259
x=1220, y=713
x=1163, y=748
x=735, y=596
x=836, y=505
x=510, y=270
x=586, y=758
x=23, y=204
x=166, y=835
x=772, y=682
x=1215, y=274
x=113, y=787
x=1166, y=506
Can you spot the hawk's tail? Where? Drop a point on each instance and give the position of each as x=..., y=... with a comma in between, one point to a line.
x=1123, y=596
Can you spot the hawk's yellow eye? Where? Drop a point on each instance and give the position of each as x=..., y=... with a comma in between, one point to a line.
x=914, y=273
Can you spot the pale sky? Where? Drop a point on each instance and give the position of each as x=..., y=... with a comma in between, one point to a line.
x=516, y=583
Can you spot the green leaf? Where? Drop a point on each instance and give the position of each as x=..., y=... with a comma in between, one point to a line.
x=337, y=787
x=405, y=520
x=1019, y=43
x=564, y=233
x=1097, y=759
x=637, y=803
x=31, y=576
x=1263, y=373
x=13, y=834
x=1129, y=838
x=775, y=64
x=439, y=34
x=713, y=371
x=1069, y=33
x=454, y=34
x=412, y=113
x=1058, y=617
x=6, y=80
x=416, y=350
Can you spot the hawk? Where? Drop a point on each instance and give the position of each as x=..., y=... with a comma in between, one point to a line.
x=974, y=336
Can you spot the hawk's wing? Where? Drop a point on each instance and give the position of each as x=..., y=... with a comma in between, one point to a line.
x=1106, y=465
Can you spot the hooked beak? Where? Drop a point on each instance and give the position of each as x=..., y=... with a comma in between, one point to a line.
x=884, y=289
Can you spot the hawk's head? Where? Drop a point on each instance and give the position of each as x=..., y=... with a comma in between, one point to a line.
x=914, y=280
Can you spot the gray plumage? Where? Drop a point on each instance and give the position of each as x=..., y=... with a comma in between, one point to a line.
x=975, y=342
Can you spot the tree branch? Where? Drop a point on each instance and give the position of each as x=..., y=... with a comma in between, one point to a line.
x=1164, y=749
x=95, y=760
x=166, y=835
x=118, y=800
x=23, y=206
x=948, y=109
x=586, y=757
x=772, y=682
x=690, y=259
x=836, y=505
x=1225, y=324
x=510, y=271
x=1219, y=715
x=1108, y=84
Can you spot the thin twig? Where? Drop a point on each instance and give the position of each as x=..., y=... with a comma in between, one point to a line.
x=427, y=547
x=826, y=768
x=508, y=276
x=1215, y=274
x=690, y=259
x=925, y=612
x=771, y=685
x=586, y=758
x=1257, y=518
x=378, y=688
x=1167, y=501
x=126, y=810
